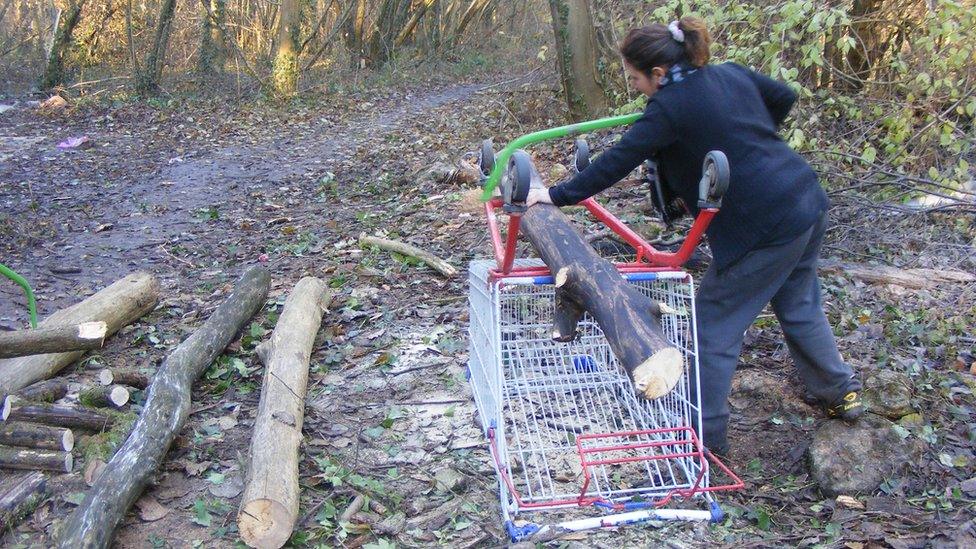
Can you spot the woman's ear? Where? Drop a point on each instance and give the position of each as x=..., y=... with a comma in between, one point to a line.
x=658, y=73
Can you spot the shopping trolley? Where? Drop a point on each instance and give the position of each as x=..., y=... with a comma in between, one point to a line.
x=565, y=426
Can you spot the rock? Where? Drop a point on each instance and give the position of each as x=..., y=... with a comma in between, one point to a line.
x=888, y=394
x=557, y=172
x=856, y=459
x=449, y=480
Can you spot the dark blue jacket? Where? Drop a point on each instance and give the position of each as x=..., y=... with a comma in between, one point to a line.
x=773, y=195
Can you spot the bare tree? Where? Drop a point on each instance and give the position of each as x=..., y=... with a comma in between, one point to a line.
x=285, y=69
x=576, y=53
x=148, y=80
x=54, y=73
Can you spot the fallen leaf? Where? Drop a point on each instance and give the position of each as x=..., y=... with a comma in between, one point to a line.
x=93, y=469
x=849, y=502
x=151, y=510
x=231, y=487
x=194, y=469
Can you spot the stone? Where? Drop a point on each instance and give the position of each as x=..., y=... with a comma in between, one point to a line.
x=856, y=459
x=888, y=393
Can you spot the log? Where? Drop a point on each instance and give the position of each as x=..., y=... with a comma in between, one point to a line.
x=586, y=282
x=59, y=415
x=17, y=496
x=53, y=339
x=269, y=506
x=166, y=409
x=403, y=248
x=122, y=376
x=44, y=391
x=117, y=305
x=33, y=435
x=909, y=278
x=114, y=396
x=24, y=458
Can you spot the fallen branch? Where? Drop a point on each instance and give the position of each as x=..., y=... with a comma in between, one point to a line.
x=120, y=376
x=403, y=248
x=32, y=435
x=269, y=506
x=54, y=339
x=23, y=458
x=117, y=305
x=59, y=415
x=909, y=278
x=125, y=476
x=44, y=391
x=115, y=396
x=19, y=496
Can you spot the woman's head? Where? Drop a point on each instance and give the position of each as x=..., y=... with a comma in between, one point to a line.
x=649, y=51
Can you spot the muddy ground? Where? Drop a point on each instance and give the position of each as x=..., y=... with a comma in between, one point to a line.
x=195, y=191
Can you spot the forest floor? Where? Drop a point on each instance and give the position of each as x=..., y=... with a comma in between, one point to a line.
x=195, y=191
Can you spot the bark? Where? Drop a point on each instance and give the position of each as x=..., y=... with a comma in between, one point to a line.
x=285, y=69
x=269, y=506
x=402, y=248
x=576, y=55
x=54, y=72
x=17, y=496
x=153, y=72
x=115, y=396
x=585, y=281
x=45, y=391
x=391, y=18
x=166, y=409
x=59, y=415
x=23, y=458
x=32, y=435
x=118, y=305
x=52, y=339
x=212, y=51
x=909, y=278
x=418, y=14
x=121, y=376
x=473, y=8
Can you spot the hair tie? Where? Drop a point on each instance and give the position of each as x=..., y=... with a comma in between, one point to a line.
x=676, y=31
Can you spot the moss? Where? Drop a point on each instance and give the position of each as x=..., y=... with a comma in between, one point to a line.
x=103, y=445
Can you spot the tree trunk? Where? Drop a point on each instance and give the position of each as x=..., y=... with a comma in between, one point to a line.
x=576, y=54
x=120, y=376
x=586, y=282
x=212, y=48
x=17, y=496
x=59, y=415
x=391, y=18
x=865, y=29
x=44, y=391
x=355, y=28
x=148, y=82
x=54, y=73
x=31, y=435
x=118, y=305
x=166, y=409
x=473, y=8
x=22, y=458
x=53, y=339
x=115, y=396
x=269, y=506
x=418, y=14
x=285, y=68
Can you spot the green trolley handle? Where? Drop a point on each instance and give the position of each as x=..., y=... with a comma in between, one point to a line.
x=552, y=133
x=31, y=302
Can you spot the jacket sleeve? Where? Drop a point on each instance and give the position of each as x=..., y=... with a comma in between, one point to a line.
x=777, y=96
x=649, y=134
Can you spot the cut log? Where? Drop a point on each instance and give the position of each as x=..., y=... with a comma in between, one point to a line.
x=24, y=458
x=60, y=415
x=117, y=305
x=44, y=391
x=114, y=396
x=269, y=506
x=32, y=435
x=121, y=376
x=16, y=499
x=167, y=406
x=52, y=339
x=586, y=282
x=908, y=278
x=403, y=248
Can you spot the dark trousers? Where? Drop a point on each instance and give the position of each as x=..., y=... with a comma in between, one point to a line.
x=784, y=275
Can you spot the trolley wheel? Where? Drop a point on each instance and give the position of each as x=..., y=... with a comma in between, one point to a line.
x=486, y=160
x=518, y=178
x=581, y=159
x=715, y=178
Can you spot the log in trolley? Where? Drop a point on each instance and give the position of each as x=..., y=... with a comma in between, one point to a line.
x=569, y=432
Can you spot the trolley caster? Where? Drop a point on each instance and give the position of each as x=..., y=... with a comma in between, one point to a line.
x=581, y=158
x=486, y=158
x=714, y=181
x=517, y=180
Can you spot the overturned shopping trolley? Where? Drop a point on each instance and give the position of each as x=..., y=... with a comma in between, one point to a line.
x=565, y=425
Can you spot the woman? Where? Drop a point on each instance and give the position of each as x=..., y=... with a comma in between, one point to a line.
x=766, y=238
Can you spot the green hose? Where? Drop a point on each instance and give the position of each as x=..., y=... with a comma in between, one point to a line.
x=501, y=161
x=31, y=302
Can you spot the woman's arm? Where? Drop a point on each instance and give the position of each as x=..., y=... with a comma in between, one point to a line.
x=777, y=96
x=648, y=135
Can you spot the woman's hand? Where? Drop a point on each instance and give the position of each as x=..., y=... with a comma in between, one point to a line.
x=538, y=196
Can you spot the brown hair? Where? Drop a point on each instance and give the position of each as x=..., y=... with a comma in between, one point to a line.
x=654, y=46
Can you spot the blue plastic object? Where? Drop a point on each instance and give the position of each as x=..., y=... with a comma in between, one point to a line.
x=717, y=513
x=585, y=364
x=518, y=533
